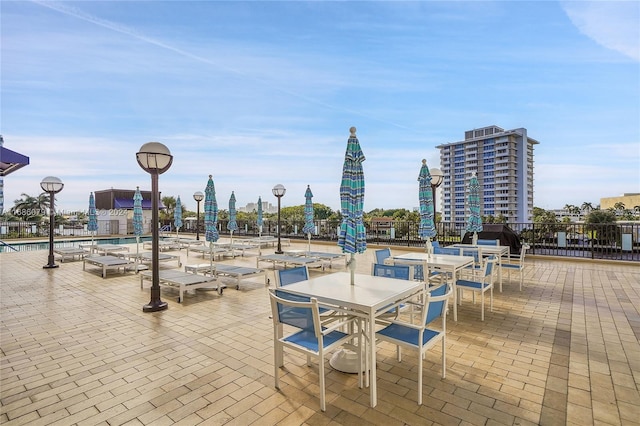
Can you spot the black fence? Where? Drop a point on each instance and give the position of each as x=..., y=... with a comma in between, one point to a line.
x=615, y=241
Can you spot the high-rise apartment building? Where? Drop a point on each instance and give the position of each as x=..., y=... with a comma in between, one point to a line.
x=503, y=162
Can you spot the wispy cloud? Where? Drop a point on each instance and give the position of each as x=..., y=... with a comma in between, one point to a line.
x=612, y=24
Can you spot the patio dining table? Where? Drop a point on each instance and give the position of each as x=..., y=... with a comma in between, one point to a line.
x=445, y=262
x=368, y=298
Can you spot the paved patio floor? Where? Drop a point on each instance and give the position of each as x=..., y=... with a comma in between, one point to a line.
x=77, y=349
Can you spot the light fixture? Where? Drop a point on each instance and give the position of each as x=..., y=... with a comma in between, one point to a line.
x=52, y=185
x=155, y=159
x=279, y=190
x=198, y=196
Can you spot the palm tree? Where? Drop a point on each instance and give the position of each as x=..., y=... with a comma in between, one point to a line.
x=619, y=206
x=31, y=208
x=587, y=206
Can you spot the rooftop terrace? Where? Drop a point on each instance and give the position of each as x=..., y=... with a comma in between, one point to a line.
x=77, y=349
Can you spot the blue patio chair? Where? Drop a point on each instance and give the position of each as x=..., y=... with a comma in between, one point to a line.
x=310, y=337
x=516, y=263
x=285, y=277
x=481, y=285
x=422, y=336
x=488, y=242
x=399, y=272
x=447, y=250
x=292, y=275
x=382, y=255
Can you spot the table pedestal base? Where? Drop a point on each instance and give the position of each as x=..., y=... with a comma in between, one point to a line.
x=345, y=359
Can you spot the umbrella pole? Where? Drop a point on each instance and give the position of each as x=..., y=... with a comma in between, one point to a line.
x=352, y=267
x=137, y=247
x=211, y=258
x=231, y=245
x=309, y=236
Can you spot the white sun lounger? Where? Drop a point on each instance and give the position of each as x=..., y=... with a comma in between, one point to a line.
x=162, y=257
x=284, y=260
x=325, y=256
x=183, y=280
x=162, y=245
x=70, y=252
x=205, y=250
x=107, y=262
x=237, y=273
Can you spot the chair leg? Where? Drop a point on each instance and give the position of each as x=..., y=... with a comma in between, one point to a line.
x=444, y=356
x=420, y=373
x=482, y=306
x=321, y=374
x=491, y=299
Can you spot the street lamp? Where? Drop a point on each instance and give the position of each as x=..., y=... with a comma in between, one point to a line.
x=436, y=180
x=279, y=191
x=155, y=159
x=52, y=185
x=198, y=196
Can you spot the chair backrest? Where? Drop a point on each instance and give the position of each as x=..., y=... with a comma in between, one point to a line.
x=476, y=254
x=400, y=272
x=436, y=302
x=523, y=251
x=489, y=242
x=382, y=254
x=292, y=275
x=447, y=250
x=488, y=266
x=297, y=311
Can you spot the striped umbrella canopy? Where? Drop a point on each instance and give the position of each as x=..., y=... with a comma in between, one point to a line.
x=210, y=217
x=138, y=228
x=92, y=226
x=474, y=221
x=427, y=229
x=177, y=215
x=259, y=221
x=232, y=225
x=352, y=237
x=309, y=225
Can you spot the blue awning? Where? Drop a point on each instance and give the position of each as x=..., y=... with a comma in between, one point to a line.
x=126, y=203
x=10, y=161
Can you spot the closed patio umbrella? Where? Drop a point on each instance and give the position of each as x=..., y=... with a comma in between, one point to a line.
x=210, y=217
x=474, y=221
x=177, y=215
x=259, y=221
x=309, y=226
x=92, y=226
x=138, y=227
x=352, y=237
x=232, y=225
x=427, y=229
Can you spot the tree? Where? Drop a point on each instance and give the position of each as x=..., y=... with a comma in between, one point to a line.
x=31, y=208
x=601, y=226
x=587, y=207
x=619, y=206
x=170, y=204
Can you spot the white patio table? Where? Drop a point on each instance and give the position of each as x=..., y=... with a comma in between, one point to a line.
x=446, y=262
x=368, y=298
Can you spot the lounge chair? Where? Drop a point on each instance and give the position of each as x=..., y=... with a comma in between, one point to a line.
x=70, y=252
x=183, y=280
x=107, y=262
x=221, y=270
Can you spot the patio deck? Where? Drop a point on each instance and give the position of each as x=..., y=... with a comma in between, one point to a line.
x=77, y=349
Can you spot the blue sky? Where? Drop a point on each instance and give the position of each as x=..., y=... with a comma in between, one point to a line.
x=259, y=93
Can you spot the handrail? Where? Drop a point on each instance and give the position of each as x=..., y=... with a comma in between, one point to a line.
x=8, y=245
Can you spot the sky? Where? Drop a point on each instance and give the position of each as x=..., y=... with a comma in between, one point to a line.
x=258, y=93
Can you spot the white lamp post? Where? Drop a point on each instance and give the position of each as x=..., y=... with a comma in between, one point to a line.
x=52, y=185
x=279, y=191
x=155, y=159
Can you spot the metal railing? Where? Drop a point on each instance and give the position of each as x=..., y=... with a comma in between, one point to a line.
x=615, y=241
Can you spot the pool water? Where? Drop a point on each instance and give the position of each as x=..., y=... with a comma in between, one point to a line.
x=67, y=243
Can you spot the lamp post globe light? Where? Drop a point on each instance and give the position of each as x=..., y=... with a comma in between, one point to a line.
x=52, y=185
x=155, y=159
x=279, y=191
x=198, y=196
x=436, y=180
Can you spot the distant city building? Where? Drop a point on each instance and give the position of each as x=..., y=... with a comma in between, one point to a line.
x=503, y=162
x=630, y=201
x=267, y=207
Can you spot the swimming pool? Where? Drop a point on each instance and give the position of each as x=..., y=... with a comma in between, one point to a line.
x=68, y=243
